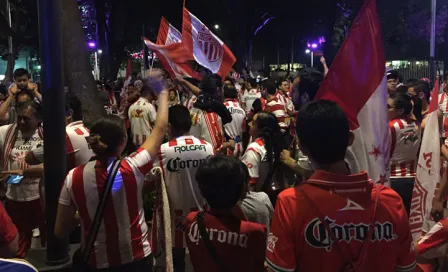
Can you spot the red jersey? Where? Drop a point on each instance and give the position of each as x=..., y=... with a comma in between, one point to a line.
x=190, y=102
x=406, y=137
x=8, y=231
x=298, y=241
x=239, y=244
x=278, y=109
x=434, y=244
x=123, y=234
x=207, y=126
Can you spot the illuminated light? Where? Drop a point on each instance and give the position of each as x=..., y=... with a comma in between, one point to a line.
x=2, y=77
x=216, y=26
x=314, y=45
x=307, y=51
x=395, y=62
x=417, y=62
x=100, y=51
x=38, y=67
x=308, y=45
x=92, y=44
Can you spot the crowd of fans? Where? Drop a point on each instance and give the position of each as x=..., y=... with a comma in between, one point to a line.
x=256, y=172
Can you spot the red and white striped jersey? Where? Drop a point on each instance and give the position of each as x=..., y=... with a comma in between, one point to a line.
x=256, y=161
x=76, y=146
x=248, y=98
x=190, y=102
x=286, y=100
x=123, y=234
x=278, y=109
x=443, y=107
x=179, y=160
x=142, y=116
x=406, y=137
x=434, y=244
x=112, y=108
x=234, y=130
x=207, y=126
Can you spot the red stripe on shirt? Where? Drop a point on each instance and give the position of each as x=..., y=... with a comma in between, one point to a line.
x=110, y=219
x=403, y=169
x=188, y=141
x=173, y=142
x=81, y=202
x=132, y=196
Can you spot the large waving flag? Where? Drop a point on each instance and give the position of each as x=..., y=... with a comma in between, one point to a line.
x=206, y=48
x=174, y=53
x=357, y=82
x=428, y=170
x=168, y=35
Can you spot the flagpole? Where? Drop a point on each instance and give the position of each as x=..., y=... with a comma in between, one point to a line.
x=185, y=2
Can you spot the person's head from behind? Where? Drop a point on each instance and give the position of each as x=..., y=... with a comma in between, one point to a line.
x=222, y=181
x=283, y=85
x=323, y=132
x=399, y=106
x=230, y=92
x=147, y=92
x=208, y=85
x=229, y=81
x=269, y=88
x=179, y=121
x=21, y=78
x=309, y=84
x=263, y=122
x=246, y=86
x=29, y=116
x=108, y=136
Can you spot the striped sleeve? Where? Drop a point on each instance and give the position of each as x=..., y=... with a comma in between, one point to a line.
x=65, y=196
x=252, y=159
x=141, y=160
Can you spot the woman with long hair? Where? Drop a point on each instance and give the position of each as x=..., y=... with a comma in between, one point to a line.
x=406, y=137
x=122, y=243
x=262, y=156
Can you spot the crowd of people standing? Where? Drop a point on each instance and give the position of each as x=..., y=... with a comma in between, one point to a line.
x=256, y=174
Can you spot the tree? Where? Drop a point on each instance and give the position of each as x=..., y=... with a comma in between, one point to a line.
x=76, y=64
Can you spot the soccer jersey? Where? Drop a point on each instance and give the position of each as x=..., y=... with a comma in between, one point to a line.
x=190, y=102
x=142, y=116
x=123, y=234
x=434, y=244
x=234, y=130
x=207, y=126
x=249, y=97
x=285, y=99
x=298, y=240
x=443, y=107
x=28, y=189
x=239, y=244
x=278, y=109
x=256, y=161
x=78, y=150
x=179, y=160
x=406, y=137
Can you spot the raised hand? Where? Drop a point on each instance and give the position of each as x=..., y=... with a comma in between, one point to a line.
x=13, y=90
x=322, y=60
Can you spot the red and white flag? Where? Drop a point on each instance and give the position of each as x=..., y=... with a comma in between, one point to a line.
x=428, y=169
x=168, y=35
x=206, y=48
x=357, y=82
x=176, y=53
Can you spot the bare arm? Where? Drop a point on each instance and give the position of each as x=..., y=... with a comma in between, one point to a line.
x=66, y=221
x=4, y=107
x=193, y=89
x=154, y=140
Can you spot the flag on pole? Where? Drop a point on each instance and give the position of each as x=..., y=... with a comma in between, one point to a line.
x=357, y=82
x=128, y=76
x=206, y=48
x=175, y=53
x=428, y=169
x=168, y=35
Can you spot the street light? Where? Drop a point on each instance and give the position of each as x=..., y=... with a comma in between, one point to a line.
x=216, y=26
x=307, y=51
x=312, y=56
x=100, y=51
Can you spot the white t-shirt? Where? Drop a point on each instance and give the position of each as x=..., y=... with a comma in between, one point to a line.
x=179, y=159
x=142, y=116
x=255, y=158
x=234, y=129
x=27, y=189
x=249, y=97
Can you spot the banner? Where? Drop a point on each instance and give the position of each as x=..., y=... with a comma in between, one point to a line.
x=206, y=48
x=168, y=35
x=428, y=169
x=357, y=82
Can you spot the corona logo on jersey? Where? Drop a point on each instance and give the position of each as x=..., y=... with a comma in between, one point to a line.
x=209, y=45
x=235, y=110
x=175, y=165
x=410, y=136
x=317, y=236
x=221, y=236
x=185, y=148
